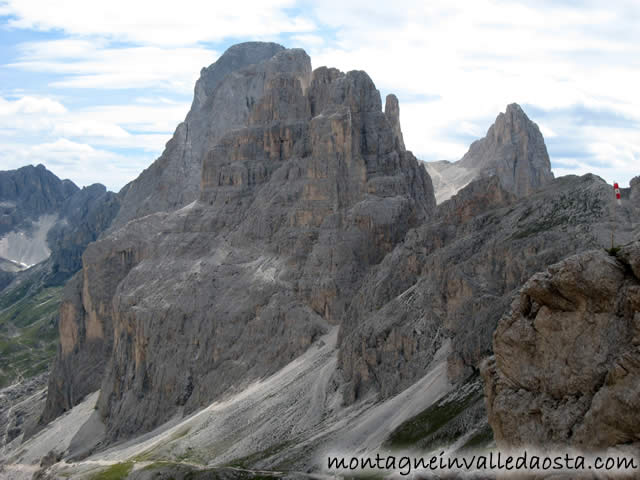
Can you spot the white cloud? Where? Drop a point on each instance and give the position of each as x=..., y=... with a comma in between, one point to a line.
x=480, y=56
x=150, y=22
x=30, y=105
x=122, y=123
x=79, y=143
x=470, y=58
x=79, y=162
x=85, y=64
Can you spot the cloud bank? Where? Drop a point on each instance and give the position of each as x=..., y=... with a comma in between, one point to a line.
x=118, y=76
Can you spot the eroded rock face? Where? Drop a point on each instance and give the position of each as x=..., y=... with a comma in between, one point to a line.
x=86, y=214
x=453, y=277
x=20, y=407
x=566, y=369
x=310, y=213
x=294, y=209
x=513, y=150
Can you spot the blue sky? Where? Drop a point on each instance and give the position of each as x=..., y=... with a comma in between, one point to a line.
x=94, y=90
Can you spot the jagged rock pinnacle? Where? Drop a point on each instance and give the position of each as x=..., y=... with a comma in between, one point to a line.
x=513, y=149
x=392, y=111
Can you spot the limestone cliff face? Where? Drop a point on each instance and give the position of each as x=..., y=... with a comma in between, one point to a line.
x=86, y=326
x=453, y=277
x=310, y=213
x=223, y=98
x=294, y=209
x=513, y=150
x=566, y=368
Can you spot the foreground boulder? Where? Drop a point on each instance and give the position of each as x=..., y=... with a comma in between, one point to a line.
x=566, y=369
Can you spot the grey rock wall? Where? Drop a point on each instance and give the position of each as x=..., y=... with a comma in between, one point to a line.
x=174, y=309
x=567, y=358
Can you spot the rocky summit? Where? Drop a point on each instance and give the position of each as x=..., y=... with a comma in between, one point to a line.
x=513, y=150
x=174, y=309
x=223, y=98
x=281, y=284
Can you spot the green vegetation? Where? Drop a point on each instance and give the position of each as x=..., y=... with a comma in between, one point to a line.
x=442, y=423
x=613, y=251
x=119, y=471
x=160, y=464
x=481, y=439
x=28, y=332
x=189, y=472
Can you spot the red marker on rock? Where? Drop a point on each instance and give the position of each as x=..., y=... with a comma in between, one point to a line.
x=616, y=189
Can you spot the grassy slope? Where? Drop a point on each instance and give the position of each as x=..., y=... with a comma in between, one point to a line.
x=28, y=332
x=446, y=421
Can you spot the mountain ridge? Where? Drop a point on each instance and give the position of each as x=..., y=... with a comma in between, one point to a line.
x=312, y=295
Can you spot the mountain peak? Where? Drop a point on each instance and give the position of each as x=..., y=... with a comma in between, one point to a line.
x=514, y=109
x=513, y=150
x=222, y=101
x=512, y=121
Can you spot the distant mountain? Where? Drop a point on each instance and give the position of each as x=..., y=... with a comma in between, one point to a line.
x=28, y=193
x=45, y=225
x=43, y=217
x=513, y=150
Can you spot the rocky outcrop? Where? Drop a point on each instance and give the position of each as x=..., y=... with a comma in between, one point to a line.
x=566, y=368
x=223, y=98
x=513, y=150
x=392, y=111
x=294, y=208
x=453, y=277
